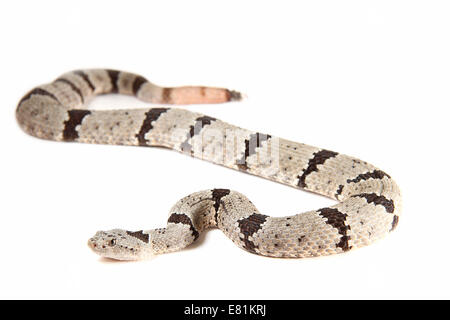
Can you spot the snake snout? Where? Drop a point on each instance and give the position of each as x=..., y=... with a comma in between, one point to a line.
x=92, y=243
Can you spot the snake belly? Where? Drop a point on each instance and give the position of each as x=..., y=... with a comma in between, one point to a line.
x=369, y=201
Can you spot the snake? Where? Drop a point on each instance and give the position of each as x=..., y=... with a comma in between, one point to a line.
x=368, y=200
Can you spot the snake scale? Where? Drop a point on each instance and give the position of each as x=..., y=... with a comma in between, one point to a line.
x=369, y=201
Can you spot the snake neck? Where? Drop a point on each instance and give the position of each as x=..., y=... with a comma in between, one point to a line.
x=165, y=240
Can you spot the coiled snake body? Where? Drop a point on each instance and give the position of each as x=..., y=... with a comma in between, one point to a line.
x=369, y=200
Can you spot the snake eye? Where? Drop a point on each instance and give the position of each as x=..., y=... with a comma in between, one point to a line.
x=112, y=242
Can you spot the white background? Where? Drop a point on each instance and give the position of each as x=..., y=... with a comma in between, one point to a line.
x=365, y=78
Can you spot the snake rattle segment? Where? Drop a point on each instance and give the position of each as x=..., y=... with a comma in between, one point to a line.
x=369, y=201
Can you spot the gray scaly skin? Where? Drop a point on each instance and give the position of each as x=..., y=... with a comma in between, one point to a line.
x=369, y=200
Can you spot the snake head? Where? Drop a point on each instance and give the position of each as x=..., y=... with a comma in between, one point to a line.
x=121, y=244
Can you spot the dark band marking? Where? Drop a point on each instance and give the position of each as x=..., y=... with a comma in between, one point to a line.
x=339, y=191
x=249, y=226
x=114, y=76
x=394, y=223
x=139, y=235
x=72, y=86
x=376, y=174
x=200, y=122
x=337, y=219
x=75, y=118
x=195, y=129
x=137, y=84
x=37, y=91
x=85, y=78
x=319, y=158
x=165, y=96
x=255, y=141
x=184, y=219
x=378, y=200
x=150, y=116
x=217, y=195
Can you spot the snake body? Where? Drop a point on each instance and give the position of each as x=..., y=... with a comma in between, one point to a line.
x=369, y=201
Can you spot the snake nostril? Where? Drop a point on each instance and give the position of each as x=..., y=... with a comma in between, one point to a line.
x=92, y=244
